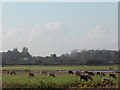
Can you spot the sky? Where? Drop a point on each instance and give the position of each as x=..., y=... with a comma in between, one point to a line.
x=59, y=27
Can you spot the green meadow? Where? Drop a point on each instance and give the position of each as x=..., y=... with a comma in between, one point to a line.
x=67, y=67
x=62, y=80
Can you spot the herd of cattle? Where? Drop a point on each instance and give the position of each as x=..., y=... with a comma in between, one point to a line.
x=89, y=74
x=83, y=76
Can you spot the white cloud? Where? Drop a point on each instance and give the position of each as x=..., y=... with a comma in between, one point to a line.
x=36, y=37
x=100, y=38
x=51, y=38
x=54, y=26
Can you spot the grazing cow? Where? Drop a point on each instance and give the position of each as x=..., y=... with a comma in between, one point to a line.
x=105, y=79
x=12, y=72
x=70, y=72
x=31, y=75
x=110, y=68
x=91, y=73
x=118, y=72
x=8, y=71
x=112, y=75
x=98, y=73
x=85, y=77
x=78, y=73
x=103, y=74
x=43, y=72
x=51, y=74
x=85, y=71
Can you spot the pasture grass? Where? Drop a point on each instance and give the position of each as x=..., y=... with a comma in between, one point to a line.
x=60, y=81
x=21, y=80
x=67, y=67
x=41, y=81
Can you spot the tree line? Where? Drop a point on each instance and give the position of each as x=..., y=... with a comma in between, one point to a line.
x=84, y=57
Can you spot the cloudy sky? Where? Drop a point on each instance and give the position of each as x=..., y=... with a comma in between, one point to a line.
x=47, y=28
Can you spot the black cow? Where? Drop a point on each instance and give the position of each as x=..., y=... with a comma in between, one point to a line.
x=78, y=73
x=31, y=75
x=85, y=71
x=43, y=72
x=91, y=73
x=118, y=72
x=112, y=75
x=12, y=72
x=101, y=73
x=85, y=77
x=51, y=74
x=98, y=73
x=8, y=71
x=70, y=72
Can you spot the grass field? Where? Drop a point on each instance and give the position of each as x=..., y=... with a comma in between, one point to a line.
x=62, y=80
x=82, y=67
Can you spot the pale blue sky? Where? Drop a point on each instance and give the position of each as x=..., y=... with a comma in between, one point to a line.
x=75, y=20
x=72, y=14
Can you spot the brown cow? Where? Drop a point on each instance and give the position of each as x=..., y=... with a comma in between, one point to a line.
x=110, y=68
x=51, y=74
x=12, y=72
x=78, y=73
x=103, y=74
x=31, y=75
x=43, y=72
